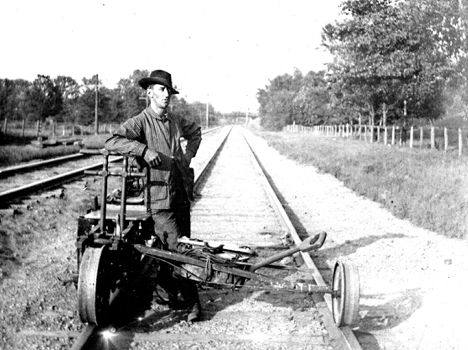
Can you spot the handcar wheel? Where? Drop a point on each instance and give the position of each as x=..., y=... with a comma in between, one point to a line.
x=95, y=286
x=345, y=297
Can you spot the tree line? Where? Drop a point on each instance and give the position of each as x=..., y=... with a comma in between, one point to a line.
x=393, y=62
x=65, y=100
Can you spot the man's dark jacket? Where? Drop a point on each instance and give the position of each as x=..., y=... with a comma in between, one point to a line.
x=160, y=133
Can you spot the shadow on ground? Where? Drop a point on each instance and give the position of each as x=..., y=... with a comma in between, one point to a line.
x=137, y=313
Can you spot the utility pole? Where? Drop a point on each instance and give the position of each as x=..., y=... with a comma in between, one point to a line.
x=96, y=121
x=207, y=114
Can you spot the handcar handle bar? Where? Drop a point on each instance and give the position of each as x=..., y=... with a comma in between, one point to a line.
x=115, y=173
x=101, y=151
x=310, y=243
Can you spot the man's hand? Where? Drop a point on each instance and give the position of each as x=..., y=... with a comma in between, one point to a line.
x=152, y=158
x=188, y=157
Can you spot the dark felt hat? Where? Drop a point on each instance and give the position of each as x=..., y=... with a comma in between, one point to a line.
x=158, y=77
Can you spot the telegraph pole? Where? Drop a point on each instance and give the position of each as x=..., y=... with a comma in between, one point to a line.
x=207, y=115
x=96, y=121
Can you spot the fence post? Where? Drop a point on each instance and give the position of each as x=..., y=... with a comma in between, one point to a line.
x=445, y=140
x=432, y=137
x=5, y=126
x=411, y=137
x=460, y=142
x=23, y=125
x=393, y=135
x=38, y=128
x=421, y=137
x=378, y=134
x=385, y=136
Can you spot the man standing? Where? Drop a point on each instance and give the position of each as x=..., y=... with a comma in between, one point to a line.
x=154, y=135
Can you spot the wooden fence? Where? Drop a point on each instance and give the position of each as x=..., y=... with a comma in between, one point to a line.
x=445, y=139
x=51, y=129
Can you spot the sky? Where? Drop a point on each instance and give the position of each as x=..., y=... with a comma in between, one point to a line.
x=219, y=52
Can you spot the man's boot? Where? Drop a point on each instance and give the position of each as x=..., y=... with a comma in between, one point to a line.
x=170, y=286
x=189, y=292
x=195, y=312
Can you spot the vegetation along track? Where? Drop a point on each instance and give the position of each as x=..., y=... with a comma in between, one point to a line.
x=235, y=205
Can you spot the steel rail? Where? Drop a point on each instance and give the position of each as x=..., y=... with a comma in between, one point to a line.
x=47, y=183
x=84, y=337
x=10, y=171
x=344, y=334
x=205, y=166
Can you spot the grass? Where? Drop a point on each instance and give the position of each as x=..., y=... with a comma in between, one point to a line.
x=12, y=154
x=95, y=141
x=429, y=188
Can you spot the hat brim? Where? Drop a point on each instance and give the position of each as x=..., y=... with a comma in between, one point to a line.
x=145, y=82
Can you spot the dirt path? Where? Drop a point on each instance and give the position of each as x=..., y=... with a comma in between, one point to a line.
x=413, y=281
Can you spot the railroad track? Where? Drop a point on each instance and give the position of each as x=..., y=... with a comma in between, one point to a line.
x=26, y=179
x=38, y=304
x=238, y=205
x=14, y=170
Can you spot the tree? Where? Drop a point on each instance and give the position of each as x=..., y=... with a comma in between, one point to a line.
x=129, y=97
x=276, y=101
x=7, y=102
x=312, y=101
x=70, y=92
x=44, y=98
x=87, y=102
x=390, y=51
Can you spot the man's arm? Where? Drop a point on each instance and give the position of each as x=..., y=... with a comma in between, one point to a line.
x=191, y=131
x=127, y=139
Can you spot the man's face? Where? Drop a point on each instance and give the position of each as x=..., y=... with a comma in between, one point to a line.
x=159, y=95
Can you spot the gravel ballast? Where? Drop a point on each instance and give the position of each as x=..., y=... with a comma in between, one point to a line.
x=412, y=280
